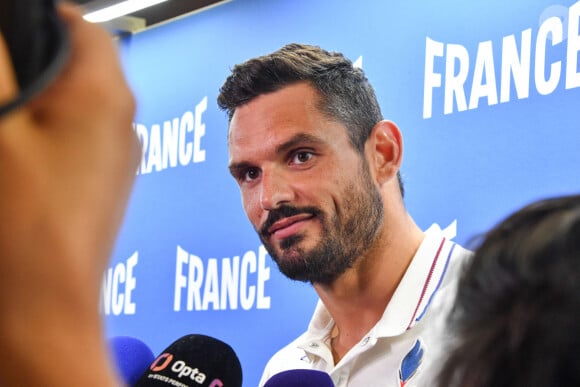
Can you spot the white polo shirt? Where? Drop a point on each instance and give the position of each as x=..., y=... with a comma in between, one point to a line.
x=397, y=349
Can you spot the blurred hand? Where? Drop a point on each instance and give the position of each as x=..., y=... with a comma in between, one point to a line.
x=67, y=163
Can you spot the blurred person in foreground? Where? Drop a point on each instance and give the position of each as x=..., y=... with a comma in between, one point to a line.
x=516, y=319
x=67, y=164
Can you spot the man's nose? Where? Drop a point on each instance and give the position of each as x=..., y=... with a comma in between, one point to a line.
x=275, y=190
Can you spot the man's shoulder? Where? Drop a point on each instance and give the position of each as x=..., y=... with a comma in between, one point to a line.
x=458, y=259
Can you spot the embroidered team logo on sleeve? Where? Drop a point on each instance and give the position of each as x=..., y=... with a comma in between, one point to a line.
x=410, y=363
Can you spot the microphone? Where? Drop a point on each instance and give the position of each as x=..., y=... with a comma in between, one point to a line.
x=196, y=361
x=131, y=357
x=300, y=377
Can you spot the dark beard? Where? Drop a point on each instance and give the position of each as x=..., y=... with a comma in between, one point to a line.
x=343, y=240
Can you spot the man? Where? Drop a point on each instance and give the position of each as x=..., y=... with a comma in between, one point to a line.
x=318, y=171
x=67, y=163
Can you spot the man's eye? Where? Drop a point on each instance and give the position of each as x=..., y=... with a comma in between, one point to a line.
x=251, y=174
x=302, y=157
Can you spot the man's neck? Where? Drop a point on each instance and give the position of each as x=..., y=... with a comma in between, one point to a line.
x=357, y=299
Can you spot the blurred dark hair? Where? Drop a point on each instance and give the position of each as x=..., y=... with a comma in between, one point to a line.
x=517, y=313
x=345, y=93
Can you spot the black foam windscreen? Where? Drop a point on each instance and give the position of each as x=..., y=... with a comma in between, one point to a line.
x=194, y=360
x=131, y=357
x=37, y=40
x=300, y=377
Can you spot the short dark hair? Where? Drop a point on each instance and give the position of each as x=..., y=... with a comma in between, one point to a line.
x=345, y=93
x=517, y=313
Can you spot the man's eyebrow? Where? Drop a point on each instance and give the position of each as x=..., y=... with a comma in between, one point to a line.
x=298, y=139
x=235, y=168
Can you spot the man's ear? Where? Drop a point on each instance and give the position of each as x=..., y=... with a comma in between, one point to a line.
x=386, y=150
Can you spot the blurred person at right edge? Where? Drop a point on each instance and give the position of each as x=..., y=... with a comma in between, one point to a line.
x=516, y=318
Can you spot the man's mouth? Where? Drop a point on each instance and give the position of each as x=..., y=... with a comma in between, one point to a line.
x=288, y=226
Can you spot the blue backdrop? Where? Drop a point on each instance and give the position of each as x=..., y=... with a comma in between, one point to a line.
x=485, y=93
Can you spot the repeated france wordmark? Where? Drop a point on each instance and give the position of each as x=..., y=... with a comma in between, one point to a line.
x=521, y=65
x=119, y=283
x=221, y=284
x=176, y=142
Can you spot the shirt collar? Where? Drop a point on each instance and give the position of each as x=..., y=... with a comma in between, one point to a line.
x=412, y=296
x=418, y=285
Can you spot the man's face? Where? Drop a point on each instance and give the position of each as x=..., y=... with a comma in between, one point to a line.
x=307, y=192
